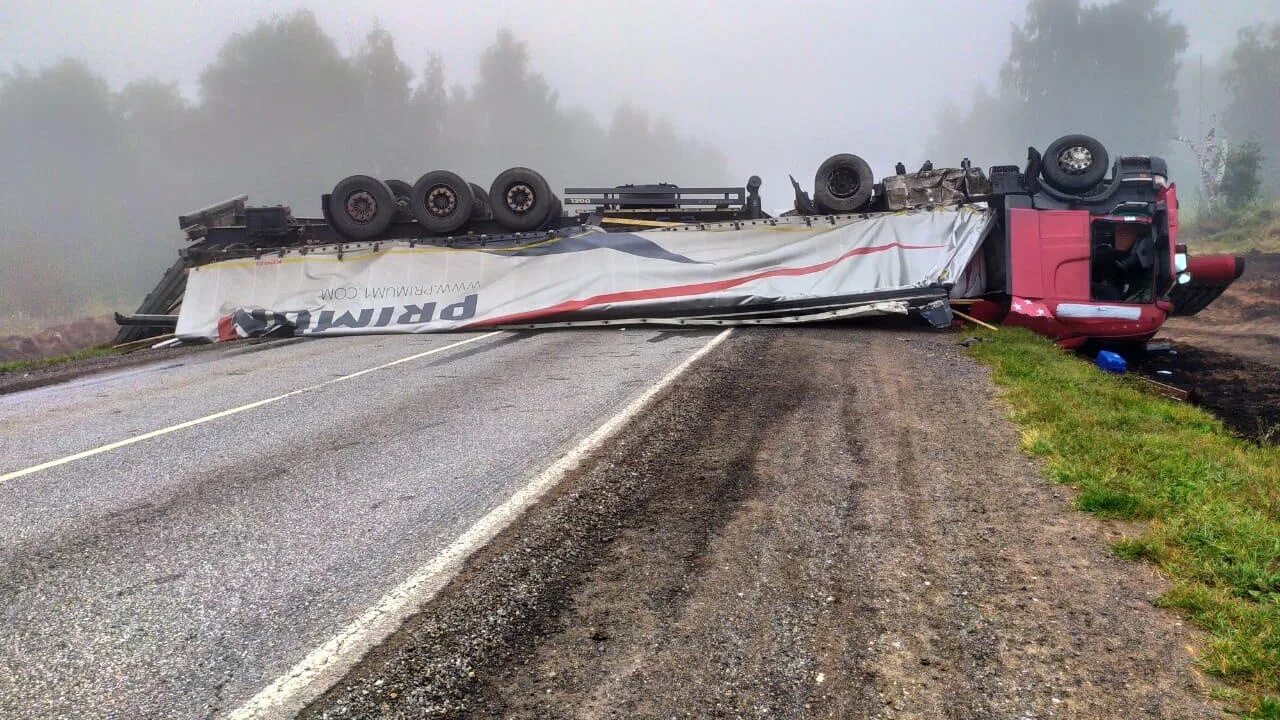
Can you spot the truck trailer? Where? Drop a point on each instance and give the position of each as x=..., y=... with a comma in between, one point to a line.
x=1069, y=245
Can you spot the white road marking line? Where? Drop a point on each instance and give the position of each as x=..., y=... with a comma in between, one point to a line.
x=232, y=411
x=327, y=664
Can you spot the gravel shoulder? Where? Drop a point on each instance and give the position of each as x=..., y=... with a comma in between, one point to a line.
x=812, y=522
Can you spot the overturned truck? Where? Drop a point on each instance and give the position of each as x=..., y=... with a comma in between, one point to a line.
x=1068, y=245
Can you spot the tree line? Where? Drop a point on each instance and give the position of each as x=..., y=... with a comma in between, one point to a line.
x=92, y=179
x=1115, y=71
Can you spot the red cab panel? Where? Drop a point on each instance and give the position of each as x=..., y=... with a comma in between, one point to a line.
x=1049, y=254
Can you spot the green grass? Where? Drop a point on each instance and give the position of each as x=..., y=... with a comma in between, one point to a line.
x=1210, y=502
x=24, y=365
x=1255, y=227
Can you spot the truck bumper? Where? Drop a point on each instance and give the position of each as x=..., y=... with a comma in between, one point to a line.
x=1071, y=324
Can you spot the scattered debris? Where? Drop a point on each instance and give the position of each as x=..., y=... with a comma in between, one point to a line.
x=973, y=320
x=1111, y=362
x=1159, y=388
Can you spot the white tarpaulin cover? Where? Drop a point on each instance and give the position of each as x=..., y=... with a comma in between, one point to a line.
x=780, y=270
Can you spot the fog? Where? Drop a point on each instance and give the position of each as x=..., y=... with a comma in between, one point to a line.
x=113, y=121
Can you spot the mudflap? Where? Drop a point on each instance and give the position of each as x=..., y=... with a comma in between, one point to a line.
x=937, y=313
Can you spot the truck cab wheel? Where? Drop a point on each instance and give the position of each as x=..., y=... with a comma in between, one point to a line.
x=401, y=191
x=843, y=184
x=361, y=207
x=1074, y=163
x=441, y=201
x=521, y=199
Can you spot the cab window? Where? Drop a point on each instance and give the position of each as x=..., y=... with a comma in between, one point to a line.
x=1122, y=261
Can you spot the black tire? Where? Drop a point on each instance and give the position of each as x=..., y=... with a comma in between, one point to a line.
x=521, y=199
x=441, y=201
x=842, y=184
x=361, y=207
x=481, y=210
x=402, y=191
x=557, y=208
x=1074, y=163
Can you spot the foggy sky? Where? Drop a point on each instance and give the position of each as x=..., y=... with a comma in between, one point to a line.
x=777, y=87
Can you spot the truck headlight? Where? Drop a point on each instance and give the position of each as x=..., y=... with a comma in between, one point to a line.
x=1184, y=278
x=1180, y=262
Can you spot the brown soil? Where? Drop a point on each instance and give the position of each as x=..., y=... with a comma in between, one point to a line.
x=814, y=522
x=1245, y=321
x=59, y=340
x=1228, y=356
x=1244, y=394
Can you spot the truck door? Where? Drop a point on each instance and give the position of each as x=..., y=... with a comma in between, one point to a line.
x=1048, y=254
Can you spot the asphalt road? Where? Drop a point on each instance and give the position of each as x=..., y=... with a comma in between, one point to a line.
x=812, y=522
x=175, y=576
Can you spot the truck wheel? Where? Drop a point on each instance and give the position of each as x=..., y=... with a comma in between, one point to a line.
x=1074, y=163
x=361, y=207
x=441, y=201
x=521, y=199
x=401, y=190
x=843, y=184
x=557, y=209
x=481, y=210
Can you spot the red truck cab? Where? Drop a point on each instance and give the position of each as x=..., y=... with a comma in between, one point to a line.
x=1098, y=265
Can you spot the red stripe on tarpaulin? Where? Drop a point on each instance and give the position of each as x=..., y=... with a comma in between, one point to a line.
x=227, y=328
x=693, y=289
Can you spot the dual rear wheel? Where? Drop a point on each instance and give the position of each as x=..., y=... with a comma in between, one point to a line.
x=362, y=207
x=442, y=202
x=522, y=200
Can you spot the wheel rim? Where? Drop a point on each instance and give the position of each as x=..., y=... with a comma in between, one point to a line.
x=1075, y=160
x=843, y=182
x=520, y=198
x=442, y=201
x=361, y=207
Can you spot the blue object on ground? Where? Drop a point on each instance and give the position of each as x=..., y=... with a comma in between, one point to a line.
x=1111, y=362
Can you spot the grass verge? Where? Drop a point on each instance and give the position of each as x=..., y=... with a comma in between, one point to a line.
x=1210, y=501
x=24, y=365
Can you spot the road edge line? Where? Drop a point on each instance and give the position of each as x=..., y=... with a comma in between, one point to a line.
x=324, y=666
x=15, y=474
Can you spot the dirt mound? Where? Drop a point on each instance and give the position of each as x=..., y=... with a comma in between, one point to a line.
x=1245, y=321
x=81, y=334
